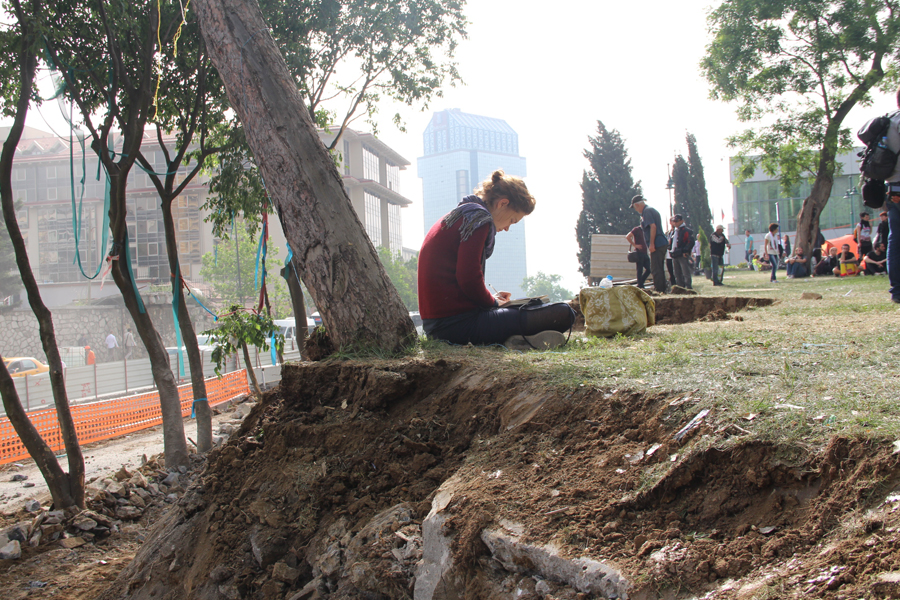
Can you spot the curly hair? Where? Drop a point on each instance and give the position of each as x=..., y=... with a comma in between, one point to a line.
x=501, y=185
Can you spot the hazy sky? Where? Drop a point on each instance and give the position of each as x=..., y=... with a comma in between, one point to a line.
x=552, y=74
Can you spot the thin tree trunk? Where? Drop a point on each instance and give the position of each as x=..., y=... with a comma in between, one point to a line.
x=66, y=489
x=808, y=219
x=335, y=257
x=188, y=336
x=174, y=443
x=250, y=372
x=297, y=302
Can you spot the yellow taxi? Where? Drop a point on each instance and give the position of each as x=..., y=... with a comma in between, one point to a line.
x=20, y=366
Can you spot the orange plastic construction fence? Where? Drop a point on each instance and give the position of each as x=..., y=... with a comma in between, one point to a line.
x=107, y=419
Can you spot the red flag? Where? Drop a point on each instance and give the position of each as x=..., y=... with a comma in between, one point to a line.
x=723, y=215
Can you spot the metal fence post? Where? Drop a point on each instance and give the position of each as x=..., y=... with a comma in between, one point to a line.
x=27, y=395
x=125, y=367
x=96, y=392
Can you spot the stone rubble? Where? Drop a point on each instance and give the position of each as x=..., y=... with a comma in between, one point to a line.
x=111, y=501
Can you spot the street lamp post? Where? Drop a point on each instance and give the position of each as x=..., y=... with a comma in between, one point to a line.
x=670, y=185
x=849, y=194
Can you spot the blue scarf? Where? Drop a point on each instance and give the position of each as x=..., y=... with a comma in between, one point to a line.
x=474, y=214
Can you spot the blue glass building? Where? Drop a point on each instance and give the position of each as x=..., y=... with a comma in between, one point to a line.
x=461, y=151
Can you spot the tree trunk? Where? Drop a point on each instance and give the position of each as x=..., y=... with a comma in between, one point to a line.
x=188, y=336
x=336, y=259
x=297, y=302
x=250, y=372
x=174, y=443
x=66, y=489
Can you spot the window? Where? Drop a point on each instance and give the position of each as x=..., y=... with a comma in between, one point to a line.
x=346, y=157
x=395, y=229
x=20, y=174
x=51, y=193
x=370, y=165
x=393, y=177
x=373, y=218
x=184, y=224
x=51, y=172
x=462, y=184
x=22, y=217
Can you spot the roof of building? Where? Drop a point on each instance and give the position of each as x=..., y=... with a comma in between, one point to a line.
x=455, y=116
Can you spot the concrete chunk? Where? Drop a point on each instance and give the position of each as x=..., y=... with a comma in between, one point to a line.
x=586, y=575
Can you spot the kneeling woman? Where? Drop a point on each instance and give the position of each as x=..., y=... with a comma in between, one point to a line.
x=454, y=303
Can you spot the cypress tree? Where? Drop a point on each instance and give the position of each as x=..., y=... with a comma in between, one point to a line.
x=607, y=188
x=691, y=197
x=701, y=215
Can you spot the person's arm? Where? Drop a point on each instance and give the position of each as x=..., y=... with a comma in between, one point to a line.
x=469, y=275
x=630, y=237
x=651, y=243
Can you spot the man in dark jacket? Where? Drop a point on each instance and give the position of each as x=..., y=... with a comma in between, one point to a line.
x=717, y=244
x=681, y=253
x=651, y=223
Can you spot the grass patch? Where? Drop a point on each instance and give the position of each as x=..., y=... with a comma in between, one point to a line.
x=800, y=369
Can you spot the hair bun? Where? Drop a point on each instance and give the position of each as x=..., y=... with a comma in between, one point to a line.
x=497, y=176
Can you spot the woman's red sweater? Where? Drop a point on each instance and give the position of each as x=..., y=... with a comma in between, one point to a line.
x=451, y=280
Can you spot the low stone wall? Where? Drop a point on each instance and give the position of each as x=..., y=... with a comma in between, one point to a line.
x=89, y=325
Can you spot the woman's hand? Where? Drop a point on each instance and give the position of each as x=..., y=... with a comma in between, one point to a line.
x=503, y=297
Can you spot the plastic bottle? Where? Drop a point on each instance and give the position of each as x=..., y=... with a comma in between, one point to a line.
x=607, y=282
x=883, y=142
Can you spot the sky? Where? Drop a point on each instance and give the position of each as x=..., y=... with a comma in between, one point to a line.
x=551, y=75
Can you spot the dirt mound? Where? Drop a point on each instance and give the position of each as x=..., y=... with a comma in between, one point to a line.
x=323, y=490
x=672, y=311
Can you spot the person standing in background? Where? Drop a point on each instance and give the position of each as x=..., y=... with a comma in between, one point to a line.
x=655, y=237
x=748, y=247
x=862, y=235
x=111, y=345
x=129, y=343
x=771, y=249
x=635, y=237
x=717, y=245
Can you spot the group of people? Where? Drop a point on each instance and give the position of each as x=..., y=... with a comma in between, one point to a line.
x=113, y=351
x=872, y=259
x=674, y=250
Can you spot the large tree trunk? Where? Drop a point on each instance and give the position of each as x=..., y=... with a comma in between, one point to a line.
x=188, y=336
x=66, y=489
x=359, y=305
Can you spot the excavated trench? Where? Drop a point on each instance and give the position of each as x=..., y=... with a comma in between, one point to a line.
x=439, y=480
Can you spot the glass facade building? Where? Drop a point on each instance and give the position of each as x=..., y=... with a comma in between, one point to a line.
x=759, y=201
x=460, y=151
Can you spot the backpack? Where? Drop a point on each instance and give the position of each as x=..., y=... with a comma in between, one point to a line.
x=685, y=245
x=878, y=161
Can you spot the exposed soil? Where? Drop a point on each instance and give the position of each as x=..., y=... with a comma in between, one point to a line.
x=685, y=309
x=598, y=473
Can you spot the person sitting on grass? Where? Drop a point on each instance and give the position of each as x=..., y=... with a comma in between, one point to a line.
x=826, y=266
x=798, y=264
x=876, y=260
x=454, y=301
x=848, y=264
